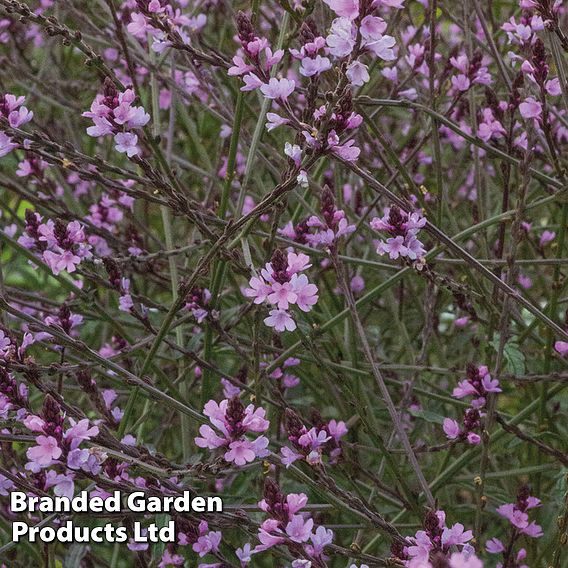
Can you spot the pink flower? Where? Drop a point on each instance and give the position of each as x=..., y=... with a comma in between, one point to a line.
x=473, y=438
x=546, y=237
x=20, y=117
x=259, y=290
x=245, y=553
x=61, y=261
x=533, y=530
x=344, y=8
x=516, y=517
x=462, y=560
x=456, y=535
x=274, y=120
x=283, y=294
x=460, y=82
x=138, y=25
x=451, y=428
x=383, y=48
x=125, y=303
x=252, y=82
x=357, y=73
x=207, y=543
x=278, y=88
x=341, y=40
x=294, y=152
x=240, y=67
x=280, y=320
x=6, y=144
x=306, y=293
x=530, y=108
x=45, y=452
x=372, y=27
x=299, y=530
x=494, y=546
x=102, y=127
x=311, y=67
x=561, y=347
x=347, y=151
x=209, y=439
x=298, y=262
x=126, y=142
x=322, y=538
x=553, y=87
x=288, y=456
x=240, y=452
x=393, y=246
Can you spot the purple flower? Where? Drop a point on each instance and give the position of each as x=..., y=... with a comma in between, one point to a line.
x=315, y=66
x=278, y=88
x=126, y=142
x=280, y=320
x=494, y=546
x=451, y=428
x=344, y=8
x=289, y=456
x=298, y=529
x=530, y=108
x=357, y=73
x=456, y=535
x=45, y=452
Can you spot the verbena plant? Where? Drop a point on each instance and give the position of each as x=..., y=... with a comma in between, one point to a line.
x=306, y=255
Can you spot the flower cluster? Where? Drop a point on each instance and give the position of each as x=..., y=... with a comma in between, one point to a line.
x=287, y=525
x=356, y=32
x=12, y=109
x=113, y=114
x=232, y=422
x=324, y=438
x=59, y=446
x=163, y=21
x=317, y=232
x=403, y=229
x=202, y=540
x=434, y=545
x=477, y=384
x=281, y=285
x=517, y=514
x=196, y=302
x=62, y=246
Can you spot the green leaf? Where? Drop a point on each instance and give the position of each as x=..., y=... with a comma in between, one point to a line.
x=514, y=358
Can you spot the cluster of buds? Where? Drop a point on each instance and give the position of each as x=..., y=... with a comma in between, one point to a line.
x=478, y=384
x=196, y=302
x=13, y=396
x=321, y=232
x=119, y=283
x=324, y=438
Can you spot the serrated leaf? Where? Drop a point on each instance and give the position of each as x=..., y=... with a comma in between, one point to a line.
x=514, y=358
